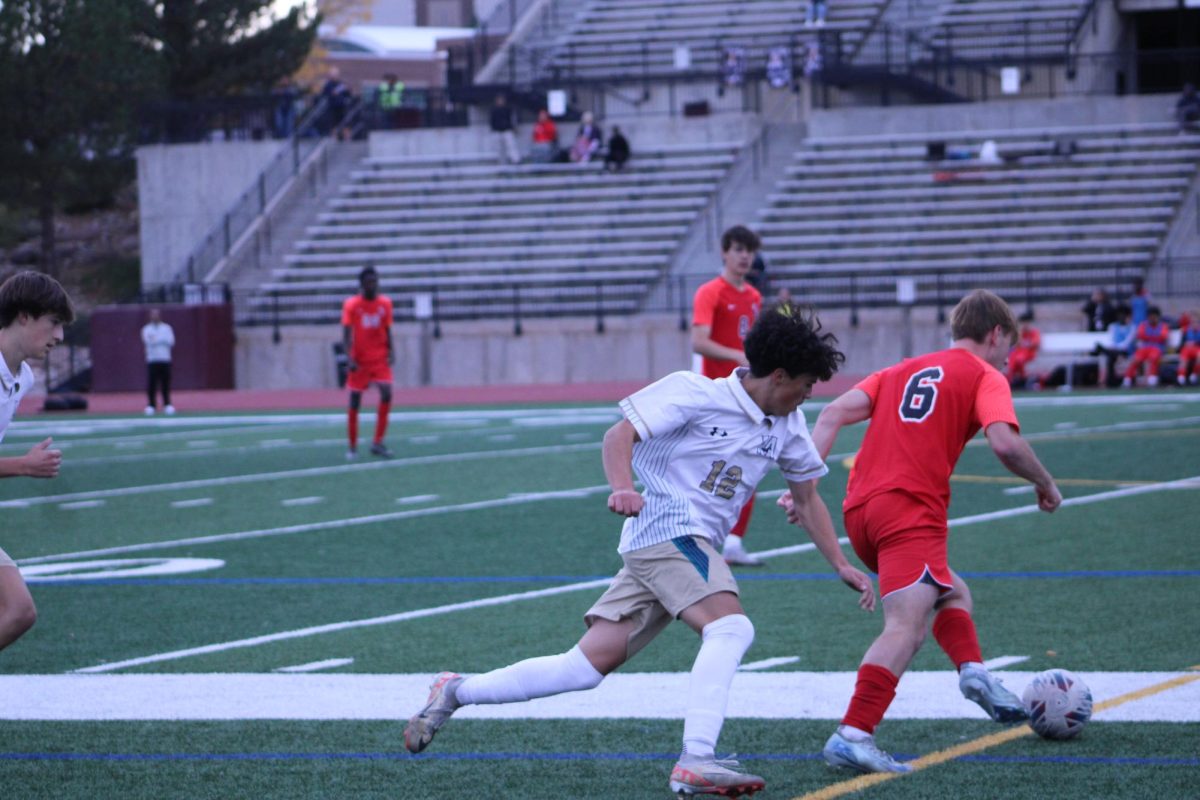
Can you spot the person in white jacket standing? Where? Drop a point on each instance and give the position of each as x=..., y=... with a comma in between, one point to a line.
x=158, y=338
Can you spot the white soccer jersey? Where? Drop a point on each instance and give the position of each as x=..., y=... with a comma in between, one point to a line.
x=12, y=389
x=705, y=446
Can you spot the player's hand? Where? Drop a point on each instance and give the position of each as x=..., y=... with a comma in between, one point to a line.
x=626, y=502
x=1049, y=498
x=41, y=461
x=859, y=582
x=786, y=502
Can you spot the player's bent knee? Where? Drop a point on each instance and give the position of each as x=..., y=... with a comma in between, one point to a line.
x=737, y=629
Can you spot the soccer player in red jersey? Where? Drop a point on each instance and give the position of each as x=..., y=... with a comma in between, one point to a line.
x=923, y=412
x=722, y=312
x=1029, y=341
x=1152, y=336
x=367, y=336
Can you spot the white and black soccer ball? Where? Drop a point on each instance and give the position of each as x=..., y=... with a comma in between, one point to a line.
x=1058, y=702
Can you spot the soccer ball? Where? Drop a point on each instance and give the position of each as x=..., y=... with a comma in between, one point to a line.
x=1058, y=702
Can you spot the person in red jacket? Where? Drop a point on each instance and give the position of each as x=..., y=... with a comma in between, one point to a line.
x=1029, y=341
x=723, y=310
x=1189, y=349
x=1151, y=337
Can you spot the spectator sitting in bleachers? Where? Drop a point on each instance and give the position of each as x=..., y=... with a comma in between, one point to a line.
x=587, y=140
x=1187, y=109
x=618, y=151
x=545, y=139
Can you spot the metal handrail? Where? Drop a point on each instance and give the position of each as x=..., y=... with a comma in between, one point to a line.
x=248, y=208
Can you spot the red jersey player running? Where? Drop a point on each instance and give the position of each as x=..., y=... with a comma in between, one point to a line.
x=367, y=336
x=923, y=412
x=722, y=312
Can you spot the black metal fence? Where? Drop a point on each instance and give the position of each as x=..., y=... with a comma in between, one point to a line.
x=1169, y=281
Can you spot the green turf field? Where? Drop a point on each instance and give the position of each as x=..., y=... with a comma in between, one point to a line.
x=229, y=609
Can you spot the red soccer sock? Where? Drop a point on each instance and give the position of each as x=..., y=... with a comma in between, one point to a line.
x=743, y=522
x=873, y=693
x=955, y=633
x=381, y=421
x=352, y=427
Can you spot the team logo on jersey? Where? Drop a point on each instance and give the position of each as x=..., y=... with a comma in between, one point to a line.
x=371, y=320
x=718, y=432
x=766, y=447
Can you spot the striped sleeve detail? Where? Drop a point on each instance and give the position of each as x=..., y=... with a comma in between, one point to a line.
x=635, y=419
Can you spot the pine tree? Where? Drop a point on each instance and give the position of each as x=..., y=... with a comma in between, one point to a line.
x=71, y=77
x=211, y=48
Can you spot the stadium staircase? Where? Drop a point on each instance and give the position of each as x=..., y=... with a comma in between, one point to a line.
x=485, y=240
x=1070, y=208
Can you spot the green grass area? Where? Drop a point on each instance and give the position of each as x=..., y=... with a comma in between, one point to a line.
x=491, y=503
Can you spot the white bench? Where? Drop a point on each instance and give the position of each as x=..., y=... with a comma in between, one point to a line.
x=1081, y=346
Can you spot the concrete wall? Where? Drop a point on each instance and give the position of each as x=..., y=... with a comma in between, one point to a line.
x=476, y=354
x=1042, y=114
x=642, y=348
x=183, y=190
x=478, y=139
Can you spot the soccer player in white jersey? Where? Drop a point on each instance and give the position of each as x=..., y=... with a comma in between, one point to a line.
x=33, y=310
x=700, y=447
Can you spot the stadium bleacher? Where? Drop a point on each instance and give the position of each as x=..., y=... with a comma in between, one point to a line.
x=1008, y=30
x=1080, y=198
x=635, y=37
x=493, y=240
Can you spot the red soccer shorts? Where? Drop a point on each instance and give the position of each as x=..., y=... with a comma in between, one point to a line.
x=367, y=373
x=901, y=540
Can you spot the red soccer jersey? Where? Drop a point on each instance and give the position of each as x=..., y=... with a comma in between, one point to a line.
x=923, y=413
x=1155, y=336
x=1030, y=339
x=730, y=312
x=368, y=321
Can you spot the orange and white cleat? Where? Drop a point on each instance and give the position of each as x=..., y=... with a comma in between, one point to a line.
x=722, y=777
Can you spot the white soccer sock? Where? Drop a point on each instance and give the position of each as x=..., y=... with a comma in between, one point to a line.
x=533, y=677
x=725, y=641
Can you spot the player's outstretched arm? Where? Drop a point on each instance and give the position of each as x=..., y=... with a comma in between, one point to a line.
x=1018, y=458
x=853, y=406
x=39, y=462
x=811, y=513
x=617, y=454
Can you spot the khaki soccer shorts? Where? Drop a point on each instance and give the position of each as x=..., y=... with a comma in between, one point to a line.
x=658, y=582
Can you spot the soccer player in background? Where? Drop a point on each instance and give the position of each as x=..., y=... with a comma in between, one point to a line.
x=33, y=310
x=723, y=310
x=367, y=337
x=699, y=447
x=922, y=413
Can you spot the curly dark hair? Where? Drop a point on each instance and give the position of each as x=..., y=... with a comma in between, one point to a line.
x=788, y=336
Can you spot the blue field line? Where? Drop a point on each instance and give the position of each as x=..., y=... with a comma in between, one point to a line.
x=443, y=579
x=666, y=757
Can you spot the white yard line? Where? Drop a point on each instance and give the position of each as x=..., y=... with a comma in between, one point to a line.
x=199, y=502
x=317, y=666
x=301, y=501
x=332, y=524
x=767, y=663
x=308, y=472
x=343, y=626
x=1000, y=662
x=572, y=587
x=333, y=696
